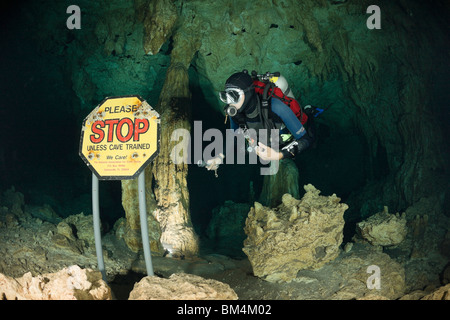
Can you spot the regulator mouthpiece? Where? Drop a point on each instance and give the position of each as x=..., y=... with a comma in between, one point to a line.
x=201, y=163
x=230, y=111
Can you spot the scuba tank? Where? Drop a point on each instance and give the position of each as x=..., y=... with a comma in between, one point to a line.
x=282, y=83
x=270, y=85
x=275, y=78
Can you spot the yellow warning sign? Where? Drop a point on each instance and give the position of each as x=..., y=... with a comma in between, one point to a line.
x=120, y=137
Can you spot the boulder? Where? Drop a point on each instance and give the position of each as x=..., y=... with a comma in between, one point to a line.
x=181, y=286
x=384, y=229
x=443, y=293
x=297, y=235
x=44, y=212
x=366, y=274
x=71, y=283
x=15, y=201
x=82, y=226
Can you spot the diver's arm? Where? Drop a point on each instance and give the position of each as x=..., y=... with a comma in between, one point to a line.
x=288, y=117
x=267, y=153
x=302, y=140
x=295, y=147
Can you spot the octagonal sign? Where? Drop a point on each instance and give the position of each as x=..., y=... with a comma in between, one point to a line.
x=120, y=137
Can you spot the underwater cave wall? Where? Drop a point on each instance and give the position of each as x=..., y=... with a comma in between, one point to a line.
x=372, y=83
x=375, y=83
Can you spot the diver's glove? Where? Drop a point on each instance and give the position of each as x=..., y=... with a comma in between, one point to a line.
x=267, y=153
x=294, y=147
x=312, y=111
x=214, y=163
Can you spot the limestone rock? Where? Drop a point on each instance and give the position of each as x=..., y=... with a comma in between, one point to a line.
x=298, y=234
x=130, y=230
x=158, y=22
x=133, y=237
x=14, y=201
x=110, y=31
x=276, y=185
x=65, y=229
x=181, y=286
x=373, y=297
x=171, y=190
x=61, y=241
x=415, y=295
x=443, y=293
x=384, y=229
x=45, y=213
x=83, y=227
x=9, y=219
x=358, y=269
x=71, y=283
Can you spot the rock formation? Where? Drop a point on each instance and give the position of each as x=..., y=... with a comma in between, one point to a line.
x=369, y=82
x=357, y=271
x=181, y=286
x=14, y=201
x=159, y=18
x=71, y=283
x=129, y=229
x=442, y=293
x=276, y=185
x=171, y=197
x=382, y=135
x=384, y=229
x=171, y=193
x=298, y=234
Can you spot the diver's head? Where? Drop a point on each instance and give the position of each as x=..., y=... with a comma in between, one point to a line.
x=234, y=98
x=239, y=90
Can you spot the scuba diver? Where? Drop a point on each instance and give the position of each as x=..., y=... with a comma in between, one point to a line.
x=265, y=102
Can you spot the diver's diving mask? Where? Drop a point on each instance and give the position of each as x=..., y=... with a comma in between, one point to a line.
x=231, y=95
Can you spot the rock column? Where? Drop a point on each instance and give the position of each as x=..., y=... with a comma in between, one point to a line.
x=168, y=203
x=171, y=191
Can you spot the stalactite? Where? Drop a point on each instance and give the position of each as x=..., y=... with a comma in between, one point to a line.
x=159, y=19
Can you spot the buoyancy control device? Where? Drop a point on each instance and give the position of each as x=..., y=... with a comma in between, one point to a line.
x=270, y=85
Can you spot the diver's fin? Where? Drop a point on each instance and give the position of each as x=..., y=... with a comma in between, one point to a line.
x=313, y=111
x=318, y=111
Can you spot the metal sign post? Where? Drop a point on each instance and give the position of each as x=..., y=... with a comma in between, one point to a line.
x=97, y=234
x=144, y=224
x=119, y=138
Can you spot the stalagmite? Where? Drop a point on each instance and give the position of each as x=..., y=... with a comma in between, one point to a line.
x=169, y=203
x=285, y=181
x=171, y=192
x=132, y=229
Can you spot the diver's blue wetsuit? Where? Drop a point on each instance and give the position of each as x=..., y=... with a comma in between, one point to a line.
x=283, y=114
x=286, y=115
